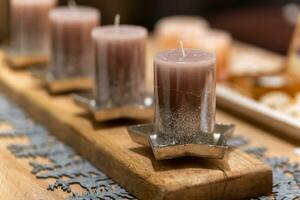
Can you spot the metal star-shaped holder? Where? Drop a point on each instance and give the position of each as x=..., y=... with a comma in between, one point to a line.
x=144, y=110
x=21, y=62
x=201, y=145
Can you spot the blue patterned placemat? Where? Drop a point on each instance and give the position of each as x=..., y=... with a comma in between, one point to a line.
x=64, y=162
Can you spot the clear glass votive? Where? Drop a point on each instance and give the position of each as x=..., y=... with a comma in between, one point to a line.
x=120, y=65
x=71, y=41
x=184, y=89
x=30, y=26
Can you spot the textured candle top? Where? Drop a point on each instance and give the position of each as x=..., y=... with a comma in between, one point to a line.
x=32, y=2
x=122, y=32
x=193, y=57
x=74, y=14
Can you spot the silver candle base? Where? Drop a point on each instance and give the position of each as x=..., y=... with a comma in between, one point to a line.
x=144, y=110
x=202, y=145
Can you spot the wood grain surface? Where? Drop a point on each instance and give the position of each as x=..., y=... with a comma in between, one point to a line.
x=16, y=180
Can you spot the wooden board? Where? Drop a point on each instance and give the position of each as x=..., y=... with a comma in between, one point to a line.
x=108, y=146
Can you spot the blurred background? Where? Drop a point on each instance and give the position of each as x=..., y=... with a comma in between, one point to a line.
x=265, y=23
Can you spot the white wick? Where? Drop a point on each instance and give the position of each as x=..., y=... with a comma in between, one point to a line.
x=117, y=20
x=72, y=4
x=182, y=49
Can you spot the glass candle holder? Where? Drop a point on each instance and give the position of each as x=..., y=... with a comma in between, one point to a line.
x=71, y=41
x=120, y=65
x=184, y=89
x=30, y=26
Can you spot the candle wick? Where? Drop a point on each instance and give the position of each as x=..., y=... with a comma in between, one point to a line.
x=182, y=49
x=72, y=4
x=117, y=20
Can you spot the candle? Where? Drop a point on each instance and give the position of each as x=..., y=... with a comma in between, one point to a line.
x=219, y=42
x=120, y=64
x=71, y=41
x=293, y=57
x=184, y=89
x=170, y=30
x=30, y=26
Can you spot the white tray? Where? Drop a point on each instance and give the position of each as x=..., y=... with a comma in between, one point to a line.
x=233, y=100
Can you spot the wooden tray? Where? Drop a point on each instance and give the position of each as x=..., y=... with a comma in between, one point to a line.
x=109, y=147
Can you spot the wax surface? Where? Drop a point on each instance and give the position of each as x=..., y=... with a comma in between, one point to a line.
x=71, y=41
x=120, y=64
x=184, y=92
x=30, y=26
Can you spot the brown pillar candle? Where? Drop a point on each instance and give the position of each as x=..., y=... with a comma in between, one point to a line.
x=30, y=26
x=120, y=64
x=71, y=41
x=184, y=87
